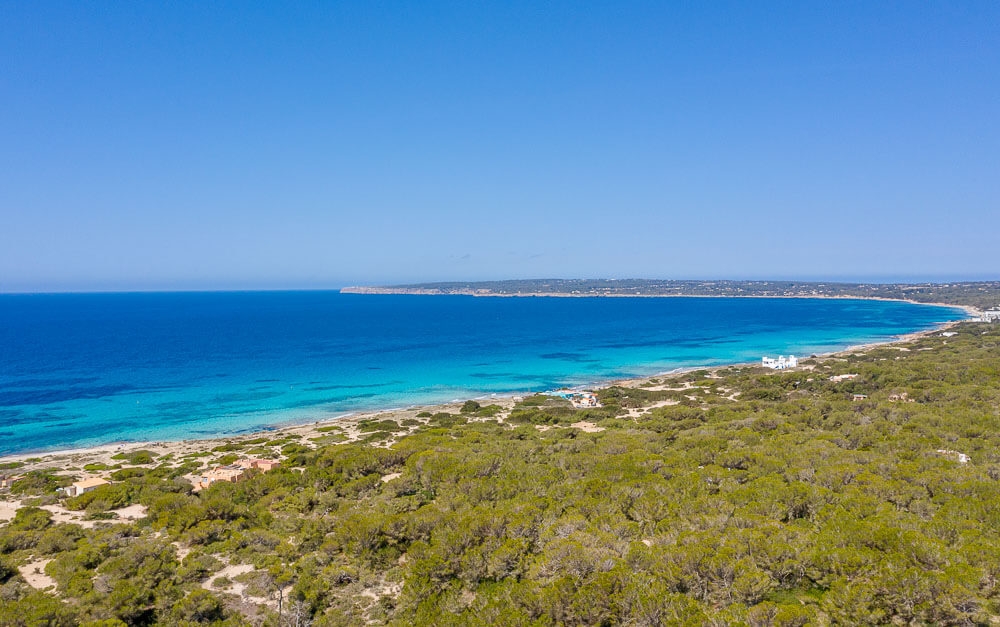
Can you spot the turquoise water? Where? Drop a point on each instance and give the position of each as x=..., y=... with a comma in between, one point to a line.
x=87, y=369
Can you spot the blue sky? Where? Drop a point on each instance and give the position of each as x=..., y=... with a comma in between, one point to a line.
x=240, y=145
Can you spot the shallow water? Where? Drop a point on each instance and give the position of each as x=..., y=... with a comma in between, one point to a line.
x=87, y=369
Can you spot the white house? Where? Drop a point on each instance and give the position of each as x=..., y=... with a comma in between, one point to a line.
x=87, y=485
x=780, y=363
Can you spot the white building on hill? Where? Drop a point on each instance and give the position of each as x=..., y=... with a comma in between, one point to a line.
x=780, y=363
x=991, y=315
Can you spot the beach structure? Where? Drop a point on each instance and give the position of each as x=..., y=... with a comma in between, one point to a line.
x=6, y=481
x=262, y=465
x=233, y=472
x=962, y=457
x=583, y=400
x=781, y=363
x=216, y=474
x=580, y=400
x=87, y=485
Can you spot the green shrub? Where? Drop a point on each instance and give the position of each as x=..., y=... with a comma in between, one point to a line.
x=136, y=458
x=7, y=570
x=40, y=482
x=445, y=419
x=226, y=460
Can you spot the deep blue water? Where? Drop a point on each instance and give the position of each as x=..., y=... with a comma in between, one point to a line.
x=85, y=369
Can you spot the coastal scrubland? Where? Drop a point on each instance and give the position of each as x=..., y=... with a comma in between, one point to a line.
x=727, y=496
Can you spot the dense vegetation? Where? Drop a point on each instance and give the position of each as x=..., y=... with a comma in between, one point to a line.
x=981, y=294
x=741, y=496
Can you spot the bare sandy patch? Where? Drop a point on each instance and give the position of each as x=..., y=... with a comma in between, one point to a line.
x=666, y=403
x=587, y=427
x=34, y=574
x=132, y=512
x=61, y=515
x=230, y=571
x=635, y=412
x=391, y=589
x=8, y=509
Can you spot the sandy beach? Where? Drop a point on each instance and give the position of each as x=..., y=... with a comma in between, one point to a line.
x=72, y=462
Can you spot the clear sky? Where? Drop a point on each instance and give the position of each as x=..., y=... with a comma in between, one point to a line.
x=174, y=145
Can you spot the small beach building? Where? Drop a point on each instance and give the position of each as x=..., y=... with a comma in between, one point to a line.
x=781, y=363
x=232, y=473
x=6, y=481
x=579, y=399
x=584, y=400
x=87, y=485
x=262, y=465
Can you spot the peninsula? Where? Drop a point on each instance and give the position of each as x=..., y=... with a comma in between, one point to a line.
x=975, y=294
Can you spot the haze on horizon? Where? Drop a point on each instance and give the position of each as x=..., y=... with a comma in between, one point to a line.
x=262, y=145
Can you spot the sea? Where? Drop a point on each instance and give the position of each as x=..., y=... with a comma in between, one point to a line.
x=80, y=370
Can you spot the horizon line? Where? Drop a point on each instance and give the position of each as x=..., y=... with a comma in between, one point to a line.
x=196, y=290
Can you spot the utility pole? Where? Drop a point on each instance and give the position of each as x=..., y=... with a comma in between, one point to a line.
x=281, y=595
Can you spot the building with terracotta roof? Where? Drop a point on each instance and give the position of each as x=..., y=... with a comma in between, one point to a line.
x=232, y=473
x=87, y=485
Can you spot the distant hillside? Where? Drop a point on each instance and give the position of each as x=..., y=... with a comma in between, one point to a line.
x=978, y=294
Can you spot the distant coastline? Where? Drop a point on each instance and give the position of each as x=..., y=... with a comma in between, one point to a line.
x=973, y=296
x=394, y=291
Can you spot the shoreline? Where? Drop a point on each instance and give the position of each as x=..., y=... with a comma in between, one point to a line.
x=348, y=424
